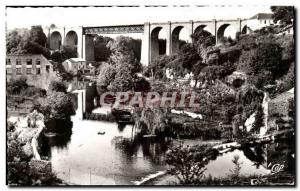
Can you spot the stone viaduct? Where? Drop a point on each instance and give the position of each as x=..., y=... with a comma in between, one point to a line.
x=83, y=37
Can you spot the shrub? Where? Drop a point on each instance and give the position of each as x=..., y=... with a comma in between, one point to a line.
x=57, y=86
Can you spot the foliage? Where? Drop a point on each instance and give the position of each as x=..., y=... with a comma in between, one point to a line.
x=157, y=68
x=19, y=170
x=15, y=86
x=123, y=45
x=57, y=105
x=57, y=86
x=123, y=80
x=237, y=166
x=122, y=66
x=259, y=119
x=203, y=39
x=185, y=60
x=106, y=75
x=283, y=14
x=102, y=52
x=264, y=61
x=189, y=162
x=141, y=85
x=13, y=39
x=29, y=42
x=69, y=52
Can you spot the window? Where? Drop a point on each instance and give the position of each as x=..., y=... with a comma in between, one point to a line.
x=28, y=70
x=18, y=62
x=265, y=21
x=8, y=71
x=19, y=71
x=29, y=61
x=47, y=68
x=8, y=62
x=38, y=62
x=38, y=71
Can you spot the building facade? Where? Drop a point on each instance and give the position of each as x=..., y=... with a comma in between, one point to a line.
x=79, y=66
x=34, y=67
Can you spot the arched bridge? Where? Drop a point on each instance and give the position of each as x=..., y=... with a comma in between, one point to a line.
x=83, y=37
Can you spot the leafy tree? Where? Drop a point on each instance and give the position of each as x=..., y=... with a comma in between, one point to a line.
x=265, y=59
x=106, y=75
x=57, y=105
x=141, y=85
x=69, y=52
x=57, y=56
x=123, y=45
x=102, y=52
x=17, y=85
x=203, y=39
x=38, y=36
x=123, y=80
x=185, y=60
x=13, y=39
x=259, y=118
x=57, y=86
x=32, y=42
x=283, y=14
x=157, y=67
x=189, y=162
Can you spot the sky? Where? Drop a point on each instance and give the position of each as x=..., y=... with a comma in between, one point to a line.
x=102, y=16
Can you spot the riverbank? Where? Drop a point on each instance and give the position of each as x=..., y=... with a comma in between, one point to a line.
x=27, y=140
x=264, y=175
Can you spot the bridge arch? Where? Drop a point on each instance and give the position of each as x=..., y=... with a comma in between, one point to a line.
x=179, y=36
x=244, y=29
x=71, y=38
x=158, y=45
x=226, y=30
x=55, y=40
x=202, y=27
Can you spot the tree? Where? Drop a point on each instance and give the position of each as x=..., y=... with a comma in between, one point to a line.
x=57, y=86
x=102, y=52
x=123, y=44
x=17, y=85
x=185, y=60
x=27, y=42
x=38, y=36
x=203, y=38
x=123, y=81
x=189, y=162
x=283, y=14
x=57, y=105
x=106, y=75
x=157, y=67
x=266, y=58
x=13, y=39
x=259, y=119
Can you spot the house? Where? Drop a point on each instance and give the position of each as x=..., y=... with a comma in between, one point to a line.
x=35, y=67
x=259, y=21
x=79, y=66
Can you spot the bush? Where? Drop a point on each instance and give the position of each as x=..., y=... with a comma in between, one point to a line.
x=189, y=162
x=17, y=85
x=56, y=105
x=57, y=86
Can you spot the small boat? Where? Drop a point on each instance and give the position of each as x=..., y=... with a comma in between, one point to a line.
x=101, y=133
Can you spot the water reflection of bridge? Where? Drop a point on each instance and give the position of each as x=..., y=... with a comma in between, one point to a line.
x=85, y=95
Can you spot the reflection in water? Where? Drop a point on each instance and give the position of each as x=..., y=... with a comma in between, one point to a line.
x=82, y=156
x=255, y=154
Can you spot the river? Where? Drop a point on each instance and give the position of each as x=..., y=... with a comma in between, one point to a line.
x=86, y=157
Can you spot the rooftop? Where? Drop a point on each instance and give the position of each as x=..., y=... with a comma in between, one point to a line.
x=262, y=16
